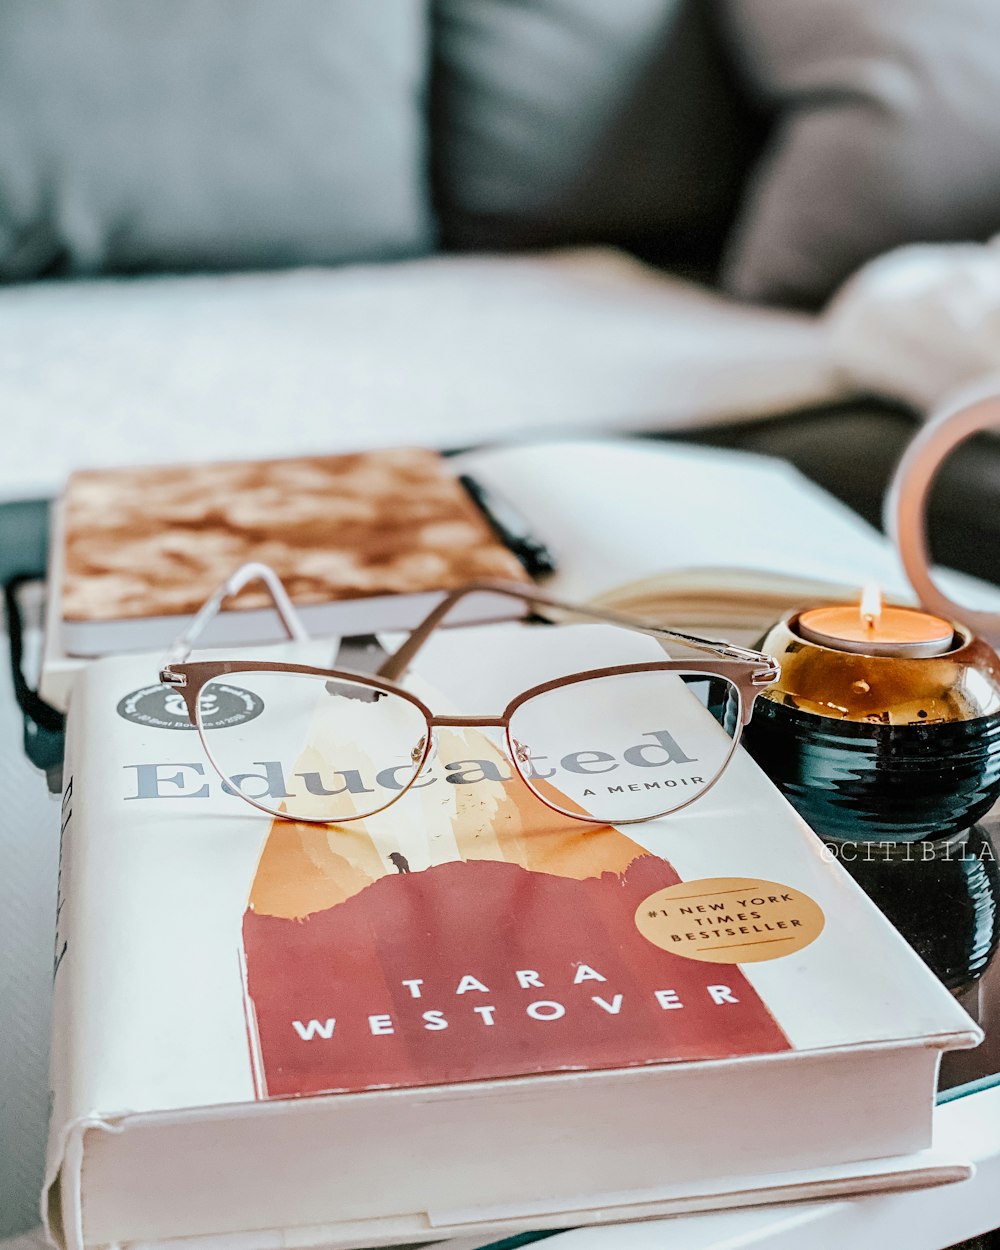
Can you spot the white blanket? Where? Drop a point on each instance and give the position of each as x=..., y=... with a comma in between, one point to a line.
x=456, y=350
x=919, y=322
x=447, y=351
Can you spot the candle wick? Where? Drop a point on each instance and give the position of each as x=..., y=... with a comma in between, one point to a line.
x=869, y=621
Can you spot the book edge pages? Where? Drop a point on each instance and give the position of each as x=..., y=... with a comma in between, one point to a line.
x=922, y=1169
x=888, y=1174
x=90, y=1138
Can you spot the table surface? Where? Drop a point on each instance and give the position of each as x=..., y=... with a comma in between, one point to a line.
x=945, y=900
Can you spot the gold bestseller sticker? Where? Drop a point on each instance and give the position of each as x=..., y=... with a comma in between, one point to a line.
x=730, y=920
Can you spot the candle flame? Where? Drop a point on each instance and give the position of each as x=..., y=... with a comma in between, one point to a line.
x=871, y=605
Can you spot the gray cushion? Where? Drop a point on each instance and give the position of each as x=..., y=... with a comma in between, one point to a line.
x=888, y=133
x=582, y=120
x=138, y=134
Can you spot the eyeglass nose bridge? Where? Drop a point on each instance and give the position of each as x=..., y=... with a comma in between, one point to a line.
x=463, y=722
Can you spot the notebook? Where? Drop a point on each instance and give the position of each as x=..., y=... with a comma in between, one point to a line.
x=362, y=542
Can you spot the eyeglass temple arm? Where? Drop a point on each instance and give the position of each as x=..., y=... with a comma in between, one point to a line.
x=244, y=575
x=396, y=665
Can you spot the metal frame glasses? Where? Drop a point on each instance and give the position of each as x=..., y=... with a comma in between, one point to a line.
x=745, y=671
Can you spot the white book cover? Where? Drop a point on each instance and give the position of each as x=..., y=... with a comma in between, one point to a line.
x=465, y=1012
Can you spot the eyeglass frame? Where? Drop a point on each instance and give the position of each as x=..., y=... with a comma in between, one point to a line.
x=747, y=670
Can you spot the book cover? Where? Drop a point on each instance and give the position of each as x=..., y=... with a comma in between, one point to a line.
x=442, y=991
x=142, y=547
x=522, y=953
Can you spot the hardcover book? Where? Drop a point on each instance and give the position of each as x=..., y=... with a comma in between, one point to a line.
x=362, y=542
x=466, y=1012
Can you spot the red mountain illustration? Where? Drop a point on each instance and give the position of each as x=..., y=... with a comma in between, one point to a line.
x=419, y=974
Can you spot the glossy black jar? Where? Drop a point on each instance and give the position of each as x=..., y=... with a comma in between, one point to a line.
x=881, y=748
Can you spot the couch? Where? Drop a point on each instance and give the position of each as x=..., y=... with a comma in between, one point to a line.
x=227, y=226
x=231, y=227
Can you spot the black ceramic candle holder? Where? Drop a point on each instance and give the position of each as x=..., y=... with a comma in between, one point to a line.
x=881, y=748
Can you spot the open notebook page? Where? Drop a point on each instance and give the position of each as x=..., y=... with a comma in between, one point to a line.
x=619, y=511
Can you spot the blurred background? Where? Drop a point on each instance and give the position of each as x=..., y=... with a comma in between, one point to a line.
x=331, y=224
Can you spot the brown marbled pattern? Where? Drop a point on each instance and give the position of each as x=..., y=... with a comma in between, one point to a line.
x=157, y=541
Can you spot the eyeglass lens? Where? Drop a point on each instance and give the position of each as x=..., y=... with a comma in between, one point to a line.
x=629, y=746
x=317, y=749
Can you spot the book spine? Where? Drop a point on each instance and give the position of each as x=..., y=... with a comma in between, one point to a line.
x=60, y=1194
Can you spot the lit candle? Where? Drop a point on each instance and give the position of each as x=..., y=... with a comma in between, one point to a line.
x=870, y=629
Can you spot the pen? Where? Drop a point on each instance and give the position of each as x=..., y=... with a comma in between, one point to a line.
x=511, y=528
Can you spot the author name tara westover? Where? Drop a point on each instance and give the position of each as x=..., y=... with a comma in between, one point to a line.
x=544, y=1010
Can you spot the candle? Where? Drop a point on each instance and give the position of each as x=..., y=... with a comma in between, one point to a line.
x=898, y=745
x=870, y=629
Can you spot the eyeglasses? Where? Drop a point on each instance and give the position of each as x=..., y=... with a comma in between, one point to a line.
x=616, y=745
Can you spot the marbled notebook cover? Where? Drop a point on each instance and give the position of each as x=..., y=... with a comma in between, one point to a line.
x=157, y=541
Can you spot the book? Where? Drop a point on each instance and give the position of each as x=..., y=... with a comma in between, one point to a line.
x=695, y=536
x=464, y=1014
x=363, y=542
